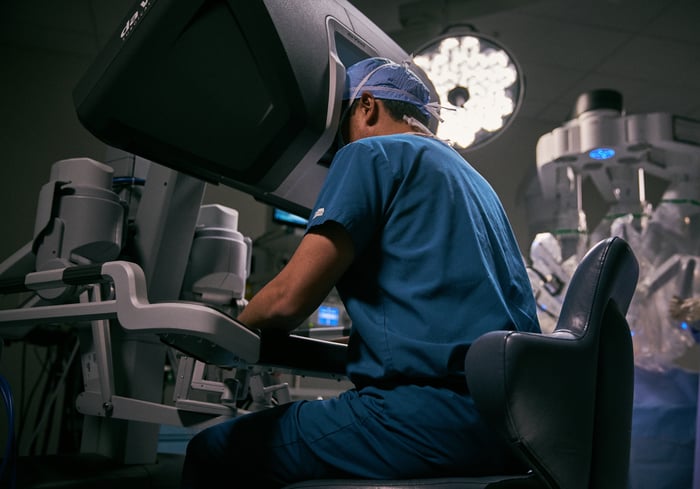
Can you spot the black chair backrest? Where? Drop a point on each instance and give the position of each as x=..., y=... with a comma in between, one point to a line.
x=564, y=400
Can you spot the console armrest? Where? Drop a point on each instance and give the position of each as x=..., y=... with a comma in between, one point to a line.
x=302, y=355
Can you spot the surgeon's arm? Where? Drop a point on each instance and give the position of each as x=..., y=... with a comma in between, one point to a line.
x=323, y=255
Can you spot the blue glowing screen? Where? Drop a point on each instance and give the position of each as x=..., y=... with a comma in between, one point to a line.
x=328, y=316
x=284, y=217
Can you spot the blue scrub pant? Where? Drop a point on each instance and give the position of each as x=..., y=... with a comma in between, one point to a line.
x=405, y=432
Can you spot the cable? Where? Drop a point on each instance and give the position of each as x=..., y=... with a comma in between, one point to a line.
x=55, y=391
x=25, y=404
x=9, y=468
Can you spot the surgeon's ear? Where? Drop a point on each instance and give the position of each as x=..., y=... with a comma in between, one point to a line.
x=369, y=107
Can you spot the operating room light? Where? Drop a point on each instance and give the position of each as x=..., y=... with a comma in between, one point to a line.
x=480, y=86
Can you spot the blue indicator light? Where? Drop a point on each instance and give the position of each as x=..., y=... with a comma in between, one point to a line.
x=601, y=153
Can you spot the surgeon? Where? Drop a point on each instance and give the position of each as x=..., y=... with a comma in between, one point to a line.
x=423, y=256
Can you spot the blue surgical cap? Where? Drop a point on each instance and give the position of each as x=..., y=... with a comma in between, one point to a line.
x=385, y=79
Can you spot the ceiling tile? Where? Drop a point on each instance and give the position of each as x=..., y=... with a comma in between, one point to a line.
x=619, y=15
x=568, y=45
x=678, y=21
x=660, y=60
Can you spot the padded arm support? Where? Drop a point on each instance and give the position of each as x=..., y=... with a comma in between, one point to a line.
x=196, y=329
x=300, y=354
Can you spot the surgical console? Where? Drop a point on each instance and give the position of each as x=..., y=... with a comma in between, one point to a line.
x=202, y=92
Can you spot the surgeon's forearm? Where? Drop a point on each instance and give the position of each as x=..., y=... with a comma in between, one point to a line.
x=272, y=308
x=296, y=291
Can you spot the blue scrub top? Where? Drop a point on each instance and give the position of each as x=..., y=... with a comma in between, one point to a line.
x=436, y=262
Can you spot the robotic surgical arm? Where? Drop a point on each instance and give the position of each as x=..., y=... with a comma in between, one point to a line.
x=616, y=151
